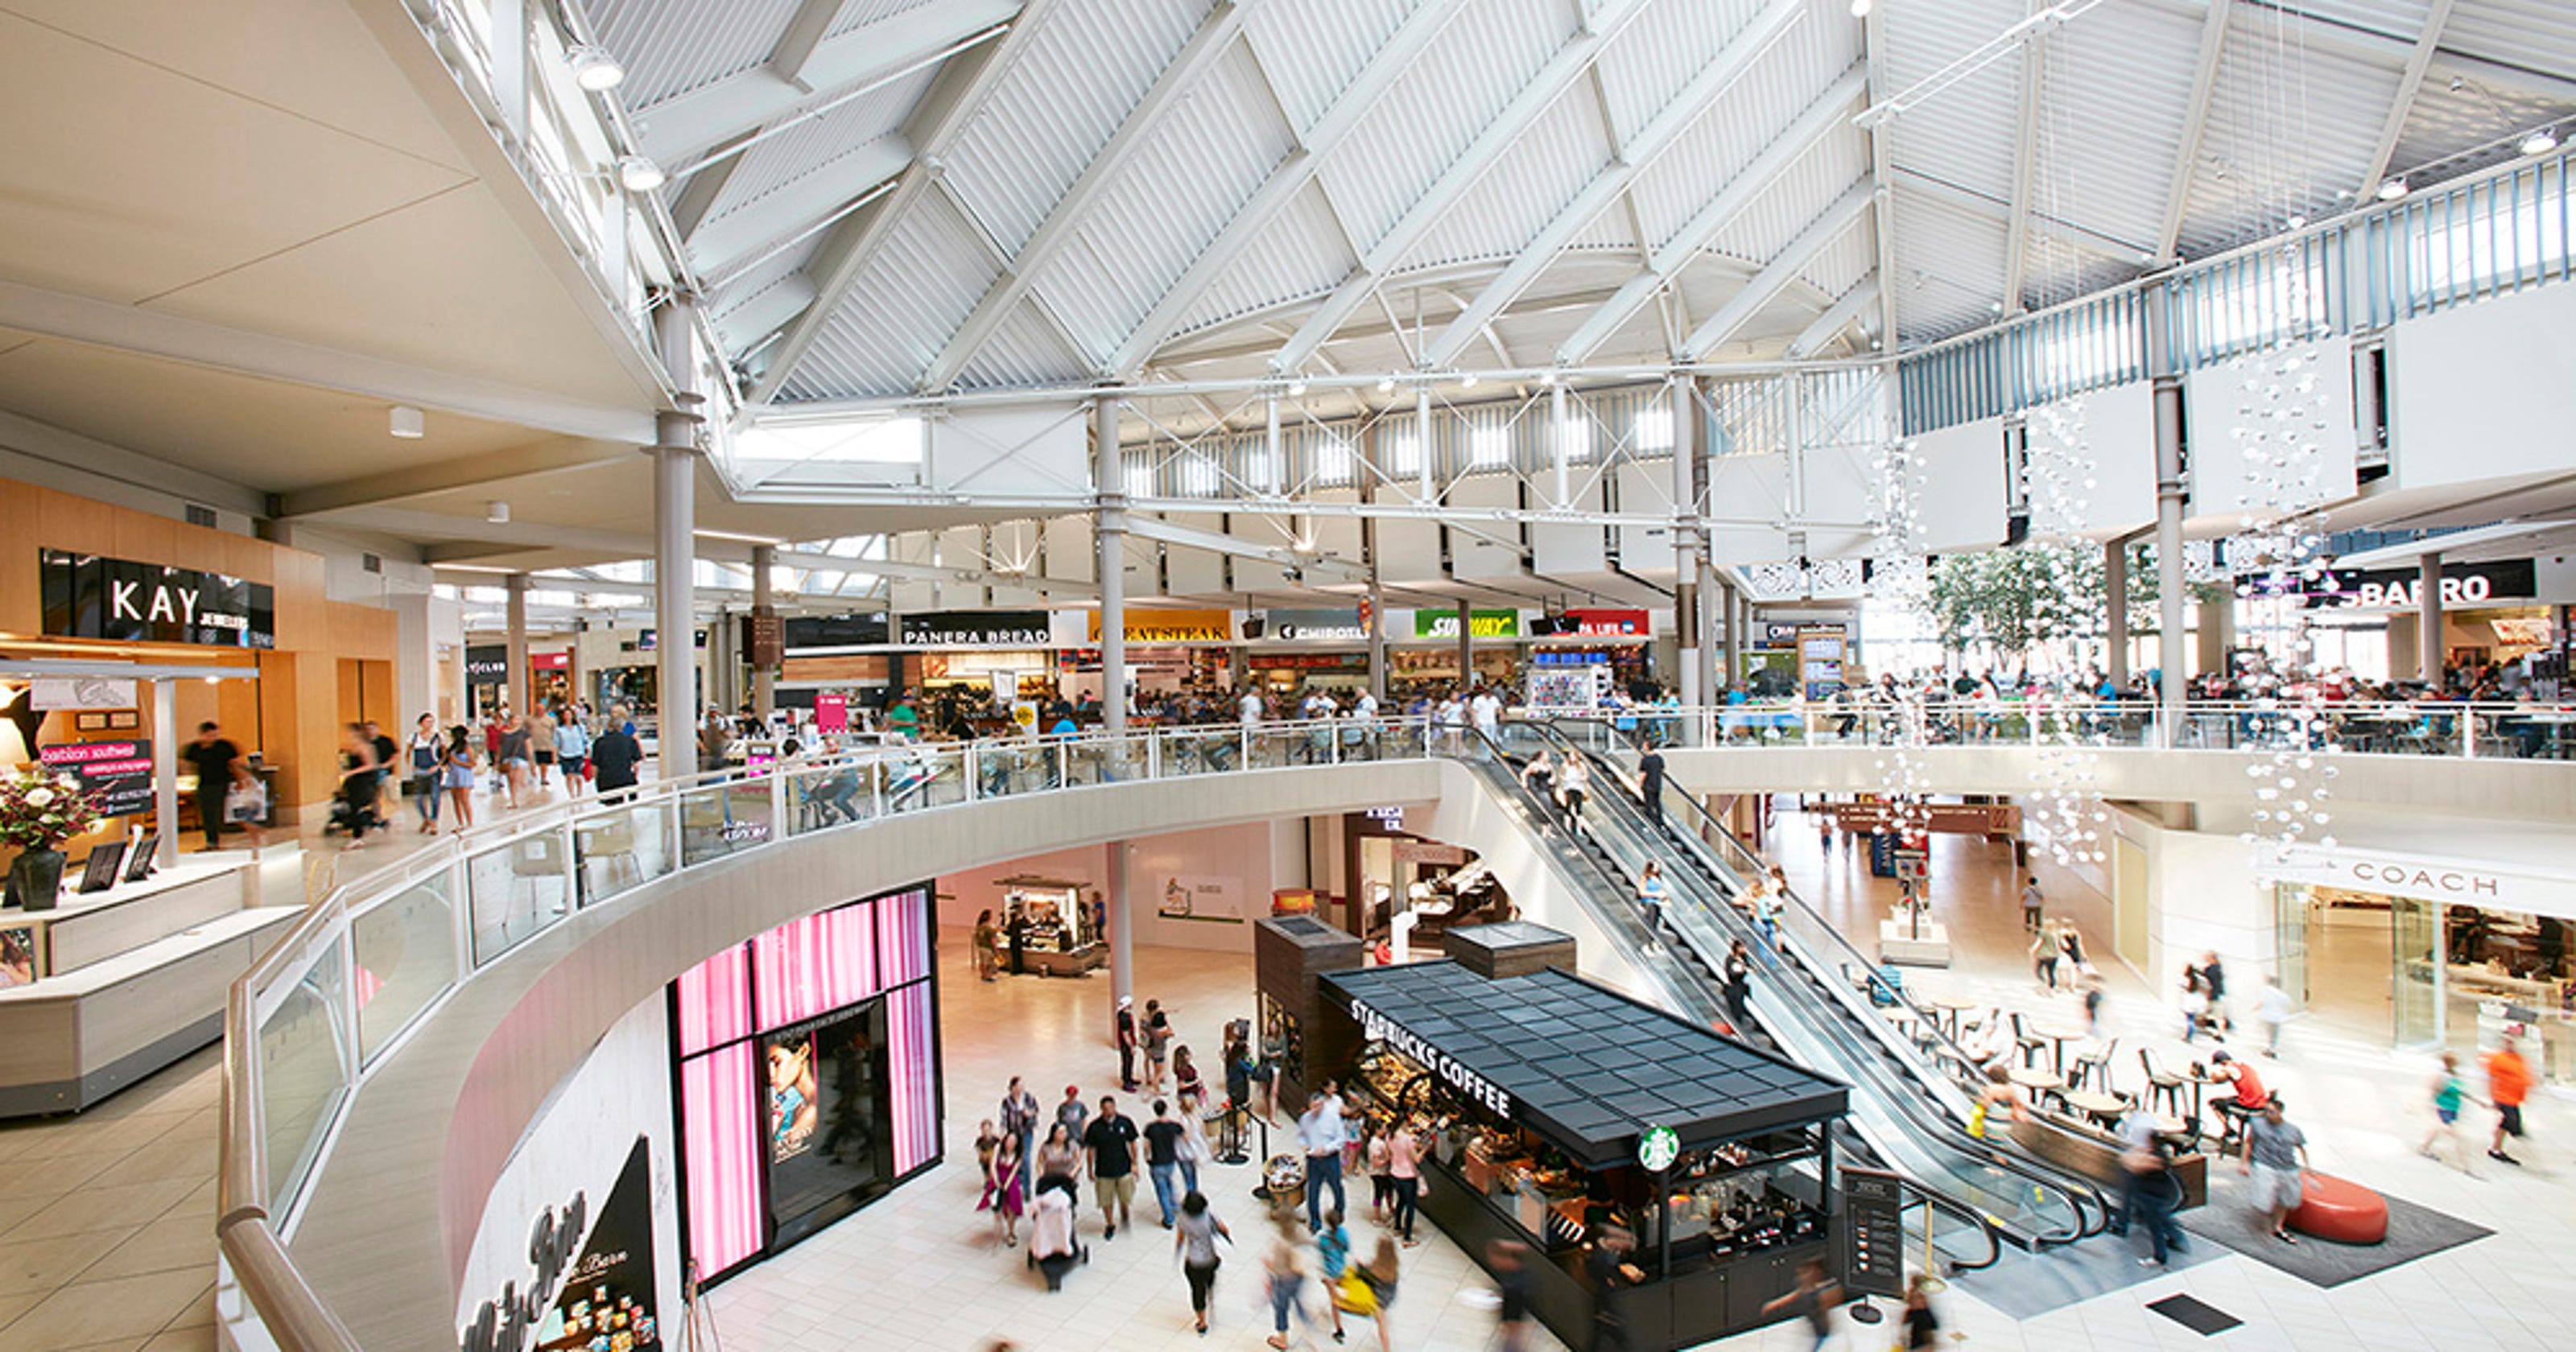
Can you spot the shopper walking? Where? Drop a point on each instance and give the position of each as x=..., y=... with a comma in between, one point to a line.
x=1158, y=1045
x=1652, y=893
x=2033, y=905
x=1404, y=1166
x=986, y=945
x=1005, y=1187
x=2043, y=956
x=1191, y=1113
x=1368, y=1290
x=615, y=756
x=2272, y=1009
x=1322, y=1133
x=1540, y=776
x=1922, y=1323
x=572, y=751
x=1650, y=785
x=456, y=774
x=2150, y=1195
x=1163, y=1159
x=1574, y=785
x=1020, y=1119
x=2508, y=1085
x=1196, y=1242
x=1283, y=1275
x=1060, y=1155
x=1812, y=1299
x=1608, y=1267
x=1333, y=1258
x=1073, y=1112
x=1508, y=1261
x=515, y=762
x=218, y=764
x=2448, y=1094
x=2272, y=1156
x=1112, y=1142
x=1123, y=1028
x=422, y=756
x=1738, y=986
x=1381, y=1183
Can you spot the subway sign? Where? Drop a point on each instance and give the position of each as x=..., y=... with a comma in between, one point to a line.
x=125, y=601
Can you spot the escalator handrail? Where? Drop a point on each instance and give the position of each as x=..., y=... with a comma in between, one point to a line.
x=1998, y=1152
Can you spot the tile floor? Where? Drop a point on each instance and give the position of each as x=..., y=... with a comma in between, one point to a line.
x=106, y=1219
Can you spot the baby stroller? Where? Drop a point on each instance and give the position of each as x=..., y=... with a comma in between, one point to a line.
x=1053, y=1246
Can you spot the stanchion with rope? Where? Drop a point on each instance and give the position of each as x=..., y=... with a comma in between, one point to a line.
x=698, y=1330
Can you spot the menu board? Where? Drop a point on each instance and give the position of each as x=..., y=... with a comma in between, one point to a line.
x=1874, y=1224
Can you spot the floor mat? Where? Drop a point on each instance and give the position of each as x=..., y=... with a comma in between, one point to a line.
x=2413, y=1232
x=2027, y=1285
x=2199, y=1316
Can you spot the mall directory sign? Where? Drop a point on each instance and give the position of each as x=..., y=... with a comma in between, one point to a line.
x=1874, y=1221
x=124, y=601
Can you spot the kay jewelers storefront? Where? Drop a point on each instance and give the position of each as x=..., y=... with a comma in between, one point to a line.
x=2428, y=952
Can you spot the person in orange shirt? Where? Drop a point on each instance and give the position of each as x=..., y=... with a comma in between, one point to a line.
x=2508, y=1084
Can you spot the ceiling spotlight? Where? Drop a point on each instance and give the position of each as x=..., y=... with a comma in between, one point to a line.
x=497, y=512
x=2298, y=220
x=1385, y=384
x=2540, y=142
x=1297, y=388
x=594, y=69
x=1996, y=306
x=2390, y=189
x=1468, y=380
x=639, y=174
x=407, y=422
x=1860, y=9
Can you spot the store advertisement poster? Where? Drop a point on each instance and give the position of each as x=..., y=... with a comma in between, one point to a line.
x=1201, y=896
x=21, y=955
x=606, y=1302
x=831, y=713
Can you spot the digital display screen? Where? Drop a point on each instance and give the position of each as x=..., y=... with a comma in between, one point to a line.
x=824, y=1142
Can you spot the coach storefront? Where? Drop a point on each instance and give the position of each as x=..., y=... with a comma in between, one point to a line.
x=2437, y=951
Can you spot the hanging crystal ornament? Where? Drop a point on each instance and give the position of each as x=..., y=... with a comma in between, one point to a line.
x=2060, y=477
x=1902, y=574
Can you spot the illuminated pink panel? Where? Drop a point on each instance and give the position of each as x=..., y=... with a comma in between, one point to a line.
x=722, y=1143
x=814, y=965
x=903, y=935
x=911, y=1067
x=713, y=1002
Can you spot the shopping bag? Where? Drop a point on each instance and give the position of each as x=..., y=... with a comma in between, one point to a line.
x=1352, y=1295
x=246, y=802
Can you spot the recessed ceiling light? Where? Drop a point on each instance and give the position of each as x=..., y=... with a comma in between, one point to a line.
x=638, y=174
x=2390, y=189
x=594, y=69
x=497, y=512
x=407, y=423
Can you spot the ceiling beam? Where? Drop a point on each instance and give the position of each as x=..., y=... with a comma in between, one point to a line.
x=2025, y=170
x=1779, y=272
x=1853, y=304
x=1218, y=542
x=155, y=333
x=722, y=245
x=1998, y=210
x=695, y=199
x=1569, y=63
x=1384, y=328
x=2195, y=129
x=2402, y=108
x=69, y=450
x=449, y=476
x=1713, y=78
x=684, y=128
x=960, y=89
x=1882, y=170
x=2374, y=46
x=1742, y=189
x=1388, y=63
x=1216, y=34
x=792, y=58
x=931, y=572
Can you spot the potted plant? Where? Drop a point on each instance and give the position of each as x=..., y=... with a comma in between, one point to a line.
x=38, y=812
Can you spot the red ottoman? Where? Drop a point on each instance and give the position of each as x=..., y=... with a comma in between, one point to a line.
x=2339, y=1209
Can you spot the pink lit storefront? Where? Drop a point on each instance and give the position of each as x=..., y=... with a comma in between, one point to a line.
x=807, y=1068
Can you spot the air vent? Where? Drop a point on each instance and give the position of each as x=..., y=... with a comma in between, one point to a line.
x=371, y=563
x=199, y=514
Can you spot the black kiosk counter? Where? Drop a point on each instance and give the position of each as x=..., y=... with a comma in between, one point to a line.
x=1556, y=1109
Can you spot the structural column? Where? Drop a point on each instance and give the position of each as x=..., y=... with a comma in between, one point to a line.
x=2429, y=647
x=2172, y=682
x=1734, y=646
x=1377, y=582
x=764, y=676
x=517, y=687
x=2115, y=589
x=1122, y=929
x=165, y=770
x=1688, y=455
x=1109, y=531
x=675, y=514
x=1466, y=645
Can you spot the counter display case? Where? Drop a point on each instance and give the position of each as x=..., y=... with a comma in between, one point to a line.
x=1047, y=929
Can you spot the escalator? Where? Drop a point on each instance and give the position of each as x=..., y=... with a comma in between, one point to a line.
x=1905, y=1114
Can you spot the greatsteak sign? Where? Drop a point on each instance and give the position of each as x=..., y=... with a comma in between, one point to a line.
x=123, y=601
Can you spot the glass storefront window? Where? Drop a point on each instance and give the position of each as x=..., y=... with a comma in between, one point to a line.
x=2415, y=981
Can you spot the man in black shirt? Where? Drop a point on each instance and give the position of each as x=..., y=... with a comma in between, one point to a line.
x=1650, y=785
x=616, y=754
x=1610, y=1270
x=1163, y=1159
x=216, y=762
x=1111, y=1139
x=1508, y=1260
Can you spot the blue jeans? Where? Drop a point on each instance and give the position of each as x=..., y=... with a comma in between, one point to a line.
x=1163, y=1194
x=1283, y=1299
x=1323, y=1171
x=1189, y=1175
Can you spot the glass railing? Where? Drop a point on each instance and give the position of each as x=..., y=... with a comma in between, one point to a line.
x=2517, y=730
x=359, y=972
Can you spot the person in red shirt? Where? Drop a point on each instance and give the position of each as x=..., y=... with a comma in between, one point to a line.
x=2508, y=1084
x=2250, y=1096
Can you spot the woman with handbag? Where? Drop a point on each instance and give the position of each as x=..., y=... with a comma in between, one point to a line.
x=457, y=774
x=423, y=754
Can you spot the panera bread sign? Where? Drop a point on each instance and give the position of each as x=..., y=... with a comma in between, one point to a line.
x=122, y=601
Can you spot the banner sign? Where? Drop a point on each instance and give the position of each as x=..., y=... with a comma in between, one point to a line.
x=1610, y=623
x=82, y=692
x=1376, y=1027
x=1483, y=624
x=1190, y=896
x=976, y=629
x=120, y=773
x=487, y=664
x=1317, y=626
x=123, y=601
x=831, y=712
x=835, y=631
x=1170, y=626
x=2463, y=584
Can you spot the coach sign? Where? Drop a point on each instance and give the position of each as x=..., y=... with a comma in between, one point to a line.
x=2494, y=886
x=123, y=601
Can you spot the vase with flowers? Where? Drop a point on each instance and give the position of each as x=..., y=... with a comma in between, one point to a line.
x=38, y=812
